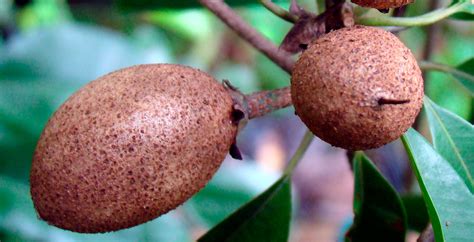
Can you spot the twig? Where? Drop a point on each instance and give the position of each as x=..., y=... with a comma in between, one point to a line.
x=425, y=65
x=310, y=27
x=263, y=102
x=330, y=3
x=279, y=11
x=426, y=19
x=431, y=32
x=236, y=23
x=305, y=142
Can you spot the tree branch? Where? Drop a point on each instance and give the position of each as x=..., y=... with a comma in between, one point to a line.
x=263, y=102
x=280, y=12
x=431, y=34
x=236, y=23
x=305, y=142
x=425, y=19
x=425, y=65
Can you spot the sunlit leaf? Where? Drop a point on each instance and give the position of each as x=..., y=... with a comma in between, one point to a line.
x=448, y=199
x=265, y=218
x=453, y=138
x=378, y=210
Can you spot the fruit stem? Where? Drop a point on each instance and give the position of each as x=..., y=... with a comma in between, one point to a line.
x=426, y=65
x=305, y=142
x=244, y=30
x=384, y=101
x=279, y=11
x=425, y=19
x=264, y=102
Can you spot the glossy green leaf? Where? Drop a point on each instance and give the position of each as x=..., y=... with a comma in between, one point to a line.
x=453, y=138
x=378, y=210
x=467, y=12
x=231, y=187
x=449, y=201
x=467, y=80
x=417, y=213
x=265, y=218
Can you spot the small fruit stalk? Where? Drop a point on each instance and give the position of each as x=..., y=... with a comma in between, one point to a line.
x=131, y=146
x=357, y=88
x=382, y=4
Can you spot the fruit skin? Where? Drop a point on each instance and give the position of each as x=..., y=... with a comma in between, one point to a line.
x=131, y=146
x=382, y=4
x=338, y=81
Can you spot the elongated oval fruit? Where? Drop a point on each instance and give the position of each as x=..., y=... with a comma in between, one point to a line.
x=131, y=146
x=382, y=4
x=357, y=88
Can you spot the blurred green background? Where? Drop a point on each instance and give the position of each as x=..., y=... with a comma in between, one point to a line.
x=50, y=48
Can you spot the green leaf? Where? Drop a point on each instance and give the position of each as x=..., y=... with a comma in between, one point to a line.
x=230, y=188
x=417, y=213
x=450, y=203
x=453, y=138
x=467, y=12
x=379, y=212
x=265, y=218
x=467, y=80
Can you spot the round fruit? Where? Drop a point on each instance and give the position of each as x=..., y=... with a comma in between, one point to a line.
x=357, y=88
x=382, y=4
x=130, y=146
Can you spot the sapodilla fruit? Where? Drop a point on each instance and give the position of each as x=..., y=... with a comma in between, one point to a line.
x=130, y=146
x=382, y=4
x=357, y=88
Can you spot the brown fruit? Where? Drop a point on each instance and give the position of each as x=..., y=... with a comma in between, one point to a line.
x=357, y=88
x=382, y=4
x=130, y=146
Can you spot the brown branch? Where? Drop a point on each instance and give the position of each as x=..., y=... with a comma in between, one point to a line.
x=432, y=31
x=431, y=34
x=236, y=23
x=330, y=3
x=264, y=102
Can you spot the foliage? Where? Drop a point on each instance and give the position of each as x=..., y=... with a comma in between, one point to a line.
x=51, y=55
x=378, y=210
x=447, y=197
x=453, y=138
x=266, y=218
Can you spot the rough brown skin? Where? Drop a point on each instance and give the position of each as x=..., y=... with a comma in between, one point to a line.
x=340, y=81
x=131, y=146
x=382, y=4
